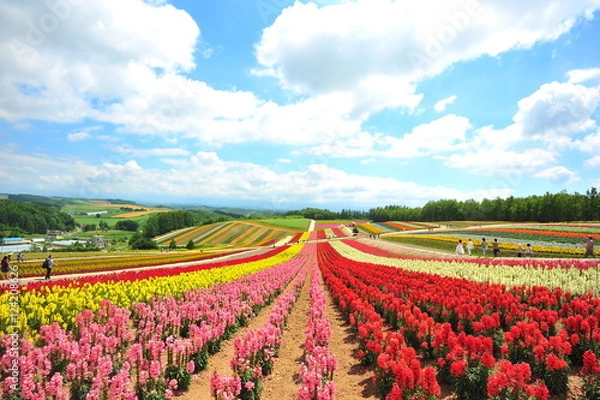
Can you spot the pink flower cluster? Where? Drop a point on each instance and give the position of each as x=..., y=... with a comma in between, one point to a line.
x=319, y=364
x=116, y=353
x=256, y=351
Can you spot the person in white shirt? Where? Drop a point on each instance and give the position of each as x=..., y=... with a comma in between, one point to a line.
x=470, y=247
x=460, y=250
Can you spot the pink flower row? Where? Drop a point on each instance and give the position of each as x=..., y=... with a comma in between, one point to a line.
x=319, y=363
x=103, y=358
x=256, y=351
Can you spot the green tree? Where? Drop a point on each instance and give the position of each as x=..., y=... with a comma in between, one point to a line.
x=190, y=245
x=127, y=225
x=139, y=242
x=172, y=245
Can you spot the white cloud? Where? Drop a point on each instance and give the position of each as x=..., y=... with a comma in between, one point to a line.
x=557, y=175
x=205, y=175
x=583, y=75
x=494, y=161
x=592, y=162
x=557, y=110
x=334, y=48
x=442, y=135
x=152, y=152
x=98, y=63
x=442, y=104
x=62, y=60
x=78, y=136
x=589, y=143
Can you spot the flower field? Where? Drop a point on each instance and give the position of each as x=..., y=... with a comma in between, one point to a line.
x=76, y=265
x=421, y=328
x=234, y=233
x=566, y=240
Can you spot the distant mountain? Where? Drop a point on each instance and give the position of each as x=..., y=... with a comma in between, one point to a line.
x=233, y=212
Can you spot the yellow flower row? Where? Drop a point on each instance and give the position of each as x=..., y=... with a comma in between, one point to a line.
x=62, y=304
x=304, y=237
x=75, y=265
x=530, y=273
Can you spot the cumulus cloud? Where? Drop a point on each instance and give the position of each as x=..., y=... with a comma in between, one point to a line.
x=589, y=143
x=557, y=110
x=442, y=104
x=152, y=152
x=78, y=136
x=592, y=162
x=442, y=135
x=312, y=49
x=65, y=59
x=583, y=75
x=557, y=175
x=493, y=161
x=204, y=175
x=70, y=61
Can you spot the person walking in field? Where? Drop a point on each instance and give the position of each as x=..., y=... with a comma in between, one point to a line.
x=5, y=266
x=460, y=250
x=470, y=247
x=589, y=248
x=528, y=251
x=496, y=247
x=48, y=265
x=484, y=247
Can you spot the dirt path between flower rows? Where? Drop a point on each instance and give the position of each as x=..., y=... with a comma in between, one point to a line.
x=351, y=380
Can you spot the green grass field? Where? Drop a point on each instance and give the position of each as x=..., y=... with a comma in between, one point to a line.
x=113, y=211
x=300, y=224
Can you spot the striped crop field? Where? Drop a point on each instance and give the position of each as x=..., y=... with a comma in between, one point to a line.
x=548, y=240
x=194, y=234
x=134, y=214
x=233, y=233
x=370, y=228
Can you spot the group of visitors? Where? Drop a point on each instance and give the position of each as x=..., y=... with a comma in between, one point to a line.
x=6, y=265
x=526, y=251
x=460, y=250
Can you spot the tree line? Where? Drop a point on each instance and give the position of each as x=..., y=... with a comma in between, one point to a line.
x=18, y=218
x=557, y=207
x=549, y=207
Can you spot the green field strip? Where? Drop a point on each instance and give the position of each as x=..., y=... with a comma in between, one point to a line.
x=208, y=237
x=383, y=227
x=235, y=232
x=276, y=234
x=219, y=235
x=291, y=224
x=242, y=239
x=253, y=239
x=175, y=234
x=184, y=238
x=263, y=236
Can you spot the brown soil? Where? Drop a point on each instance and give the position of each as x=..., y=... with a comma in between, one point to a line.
x=351, y=380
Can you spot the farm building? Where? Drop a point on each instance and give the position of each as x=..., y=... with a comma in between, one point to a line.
x=98, y=241
x=65, y=243
x=97, y=212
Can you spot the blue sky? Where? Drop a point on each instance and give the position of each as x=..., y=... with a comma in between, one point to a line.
x=282, y=104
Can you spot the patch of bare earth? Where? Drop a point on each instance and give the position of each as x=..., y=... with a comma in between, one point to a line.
x=351, y=380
